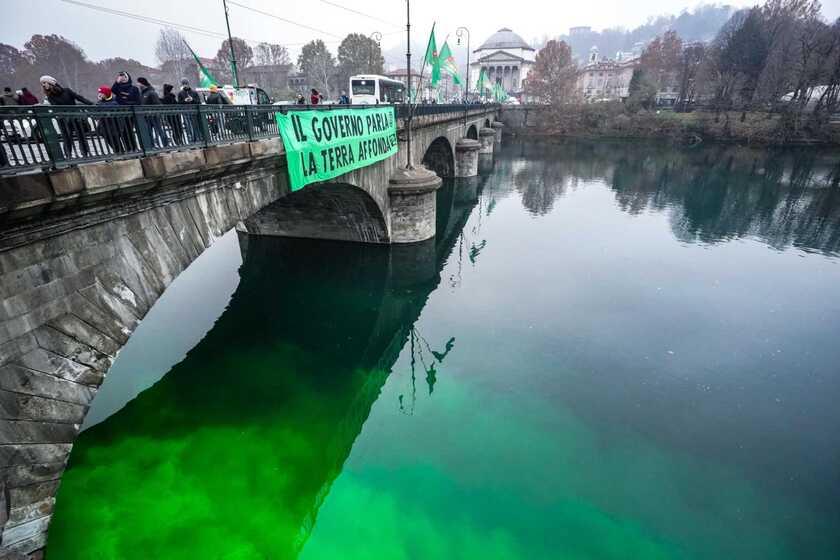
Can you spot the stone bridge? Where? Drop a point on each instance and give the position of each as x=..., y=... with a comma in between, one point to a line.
x=86, y=251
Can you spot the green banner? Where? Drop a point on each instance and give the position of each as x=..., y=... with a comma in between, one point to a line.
x=321, y=145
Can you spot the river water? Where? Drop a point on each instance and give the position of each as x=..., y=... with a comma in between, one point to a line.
x=619, y=350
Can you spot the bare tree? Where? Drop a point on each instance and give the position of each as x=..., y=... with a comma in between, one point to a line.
x=171, y=51
x=318, y=64
x=829, y=99
x=661, y=59
x=268, y=54
x=63, y=59
x=553, y=77
x=690, y=61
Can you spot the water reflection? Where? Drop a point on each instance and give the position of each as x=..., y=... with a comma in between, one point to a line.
x=712, y=193
x=235, y=449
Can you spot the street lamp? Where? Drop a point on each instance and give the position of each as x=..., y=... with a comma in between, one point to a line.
x=409, y=162
x=459, y=32
x=375, y=37
x=230, y=44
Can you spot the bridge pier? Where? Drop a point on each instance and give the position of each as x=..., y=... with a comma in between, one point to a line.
x=466, y=170
x=487, y=137
x=466, y=157
x=411, y=197
x=498, y=127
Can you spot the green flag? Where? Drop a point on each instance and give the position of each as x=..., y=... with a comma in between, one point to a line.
x=483, y=82
x=432, y=57
x=499, y=93
x=448, y=64
x=205, y=79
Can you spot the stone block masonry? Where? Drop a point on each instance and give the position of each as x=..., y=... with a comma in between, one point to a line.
x=76, y=282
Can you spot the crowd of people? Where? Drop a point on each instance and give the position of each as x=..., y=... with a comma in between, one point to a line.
x=21, y=97
x=118, y=131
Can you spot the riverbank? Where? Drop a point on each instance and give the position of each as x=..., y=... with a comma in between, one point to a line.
x=611, y=120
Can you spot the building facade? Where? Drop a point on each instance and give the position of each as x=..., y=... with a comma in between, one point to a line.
x=605, y=79
x=506, y=58
x=609, y=79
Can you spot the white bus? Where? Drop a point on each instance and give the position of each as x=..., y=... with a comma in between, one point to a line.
x=371, y=89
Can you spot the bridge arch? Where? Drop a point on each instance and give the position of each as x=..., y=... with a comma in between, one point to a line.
x=440, y=158
x=472, y=132
x=337, y=211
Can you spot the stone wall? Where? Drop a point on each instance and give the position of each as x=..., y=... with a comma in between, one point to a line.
x=72, y=295
x=520, y=118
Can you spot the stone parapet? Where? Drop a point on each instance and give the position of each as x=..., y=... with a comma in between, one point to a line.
x=37, y=195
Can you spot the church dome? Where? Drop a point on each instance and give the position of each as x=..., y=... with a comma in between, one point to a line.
x=504, y=38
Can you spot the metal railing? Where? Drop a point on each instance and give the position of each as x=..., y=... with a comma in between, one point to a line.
x=52, y=137
x=461, y=109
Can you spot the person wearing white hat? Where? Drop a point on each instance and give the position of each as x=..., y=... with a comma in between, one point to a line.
x=70, y=128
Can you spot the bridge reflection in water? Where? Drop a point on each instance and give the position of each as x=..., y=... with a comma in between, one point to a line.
x=236, y=447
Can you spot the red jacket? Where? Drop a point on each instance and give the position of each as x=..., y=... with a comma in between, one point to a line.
x=315, y=99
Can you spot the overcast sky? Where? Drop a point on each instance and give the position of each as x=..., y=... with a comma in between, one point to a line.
x=104, y=35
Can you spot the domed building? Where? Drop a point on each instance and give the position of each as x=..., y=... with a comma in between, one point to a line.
x=506, y=57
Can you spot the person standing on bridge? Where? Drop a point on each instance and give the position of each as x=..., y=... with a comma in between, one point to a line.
x=8, y=97
x=301, y=100
x=27, y=98
x=216, y=97
x=69, y=127
x=315, y=97
x=148, y=96
x=127, y=94
x=108, y=127
x=343, y=99
x=174, y=121
x=188, y=96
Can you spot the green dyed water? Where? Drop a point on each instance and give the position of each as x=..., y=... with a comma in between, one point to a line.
x=619, y=350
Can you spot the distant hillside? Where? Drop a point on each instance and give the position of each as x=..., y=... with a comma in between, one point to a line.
x=701, y=24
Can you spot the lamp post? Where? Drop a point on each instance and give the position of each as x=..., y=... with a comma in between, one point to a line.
x=230, y=44
x=375, y=37
x=409, y=162
x=459, y=32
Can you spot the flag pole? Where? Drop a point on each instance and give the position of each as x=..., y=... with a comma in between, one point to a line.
x=409, y=161
x=230, y=44
x=422, y=68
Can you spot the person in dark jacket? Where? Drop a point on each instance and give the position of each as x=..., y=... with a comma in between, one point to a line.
x=188, y=96
x=216, y=97
x=109, y=127
x=301, y=100
x=27, y=98
x=148, y=96
x=8, y=97
x=173, y=120
x=343, y=99
x=69, y=127
x=124, y=91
